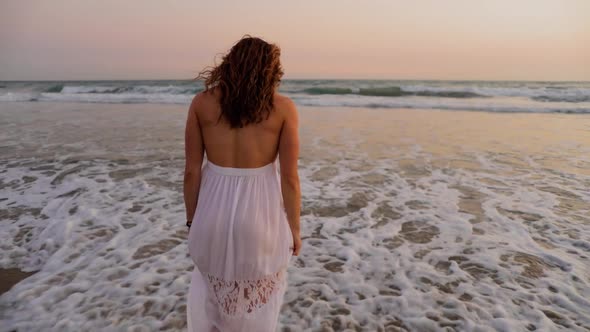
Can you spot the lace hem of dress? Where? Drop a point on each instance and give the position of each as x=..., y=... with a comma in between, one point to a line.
x=243, y=297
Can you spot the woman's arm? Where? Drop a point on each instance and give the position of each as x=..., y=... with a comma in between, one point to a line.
x=288, y=156
x=194, y=150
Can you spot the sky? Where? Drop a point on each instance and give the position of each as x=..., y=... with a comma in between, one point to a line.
x=372, y=39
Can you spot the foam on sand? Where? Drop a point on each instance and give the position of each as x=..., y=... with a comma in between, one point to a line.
x=412, y=220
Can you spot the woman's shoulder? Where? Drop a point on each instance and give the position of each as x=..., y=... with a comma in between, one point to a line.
x=286, y=108
x=204, y=99
x=283, y=103
x=209, y=95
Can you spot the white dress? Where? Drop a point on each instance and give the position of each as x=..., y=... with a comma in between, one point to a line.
x=241, y=244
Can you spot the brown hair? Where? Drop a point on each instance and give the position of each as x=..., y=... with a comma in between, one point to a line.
x=246, y=78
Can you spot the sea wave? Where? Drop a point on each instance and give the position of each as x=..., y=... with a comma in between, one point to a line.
x=484, y=104
x=567, y=99
x=328, y=91
x=563, y=97
x=55, y=88
x=351, y=100
x=137, y=89
x=390, y=91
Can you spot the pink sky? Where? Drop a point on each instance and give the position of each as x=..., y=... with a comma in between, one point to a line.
x=420, y=39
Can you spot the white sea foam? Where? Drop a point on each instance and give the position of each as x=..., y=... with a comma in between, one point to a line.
x=503, y=105
x=135, y=98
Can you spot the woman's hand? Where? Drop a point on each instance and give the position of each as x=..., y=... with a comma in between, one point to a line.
x=296, y=244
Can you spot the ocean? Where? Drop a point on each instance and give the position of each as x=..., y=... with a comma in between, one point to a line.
x=491, y=96
x=426, y=206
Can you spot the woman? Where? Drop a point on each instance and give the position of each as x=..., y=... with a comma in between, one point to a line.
x=244, y=215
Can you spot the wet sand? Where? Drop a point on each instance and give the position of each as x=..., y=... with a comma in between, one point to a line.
x=418, y=220
x=10, y=277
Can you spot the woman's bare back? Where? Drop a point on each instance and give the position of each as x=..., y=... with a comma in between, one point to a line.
x=252, y=146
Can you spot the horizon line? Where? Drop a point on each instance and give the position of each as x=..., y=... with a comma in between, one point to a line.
x=302, y=79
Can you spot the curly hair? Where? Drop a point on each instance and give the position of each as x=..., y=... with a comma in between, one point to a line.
x=246, y=78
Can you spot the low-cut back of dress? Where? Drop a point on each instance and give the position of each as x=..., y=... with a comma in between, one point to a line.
x=241, y=244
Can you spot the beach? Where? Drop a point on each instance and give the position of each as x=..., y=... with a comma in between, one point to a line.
x=417, y=219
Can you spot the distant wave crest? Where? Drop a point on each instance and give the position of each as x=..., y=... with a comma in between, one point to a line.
x=567, y=99
x=392, y=91
x=138, y=89
x=328, y=91
x=54, y=88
